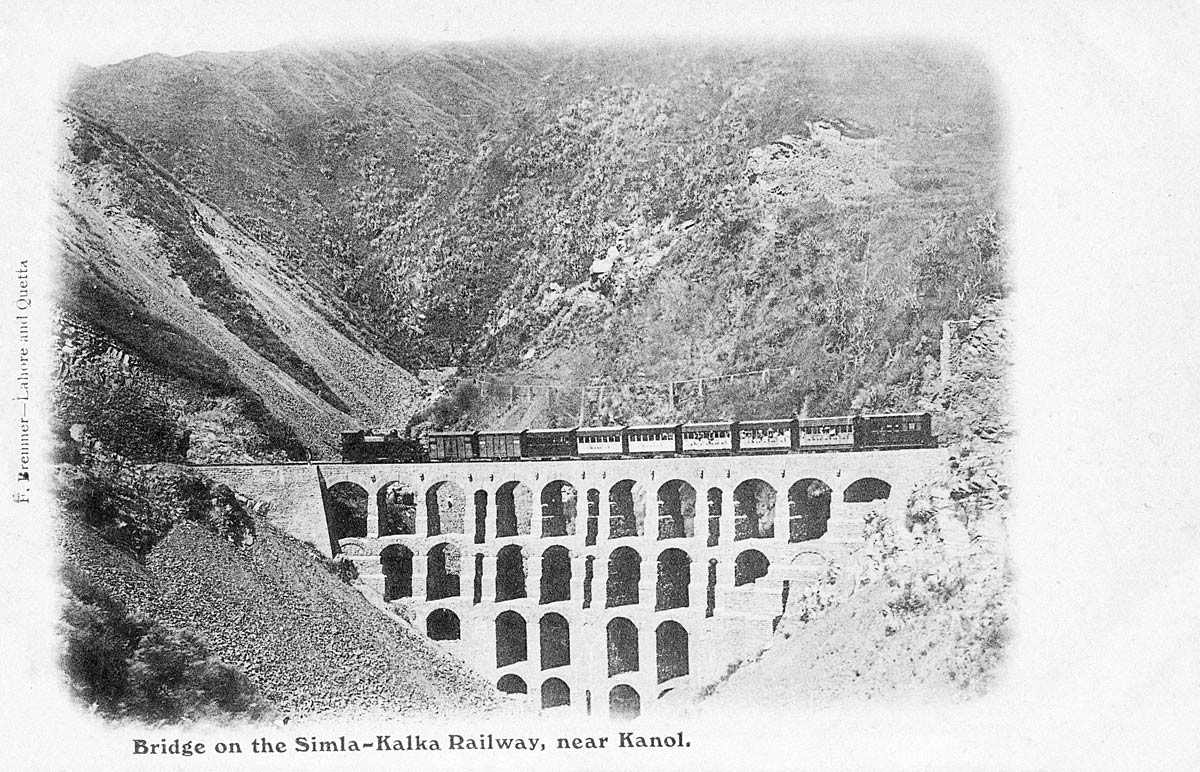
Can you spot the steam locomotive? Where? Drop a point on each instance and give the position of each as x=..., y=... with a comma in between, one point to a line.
x=788, y=435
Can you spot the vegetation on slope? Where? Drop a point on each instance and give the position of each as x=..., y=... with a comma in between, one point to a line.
x=153, y=197
x=786, y=205
x=187, y=603
x=126, y=667
x=921, y=611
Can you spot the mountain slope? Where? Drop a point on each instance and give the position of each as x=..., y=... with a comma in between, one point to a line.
x=260, y=600
x=136, y=244
x=815, y=206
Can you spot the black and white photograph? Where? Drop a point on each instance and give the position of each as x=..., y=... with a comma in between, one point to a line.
x=577, y=387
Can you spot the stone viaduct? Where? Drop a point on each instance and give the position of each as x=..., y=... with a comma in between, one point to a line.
x=596, y=586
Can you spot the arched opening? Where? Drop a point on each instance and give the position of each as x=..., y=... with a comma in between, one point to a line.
x=710, y=598
x=512, y=684
x=589, y=575
x=866, y=489
x=510, y=639
x=671, y=639
x=397, y=510
x=808, y=509
x=715, y=502
x=626, y=509
x=559, y=502
x=676, y=510
x=442, y=625
x=477, y=585
x=593, y=517
x=514, y=509
x=480, y=516
x=753, y=510
x=622, y=646
x=442, y=571
x=624, y=703
x=345, y=513
x=510, y=573
x=556, y=575
x=751, y=565
x=397, y=561
x=555, y=692
x=674, y=574
x=556, y=641
x=624, y=573
x=445, y=504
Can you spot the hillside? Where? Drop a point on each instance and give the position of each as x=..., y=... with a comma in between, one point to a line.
x=813, y=206
x=163, y=276
x=921, y=611
x=191, y=557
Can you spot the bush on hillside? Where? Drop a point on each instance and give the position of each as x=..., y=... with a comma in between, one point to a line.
x=125, y=666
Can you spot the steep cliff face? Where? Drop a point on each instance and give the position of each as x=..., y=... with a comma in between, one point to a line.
x=165, y=277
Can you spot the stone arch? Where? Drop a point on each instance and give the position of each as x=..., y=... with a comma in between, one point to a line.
x=510, y=573
x=443, y=571
x=671, y=642
x=559, y=504
x=345, y=513
x=512, y=684
x=397, y=509
x=555, y=637
x=556, y=575
x=808, y=509
x=866, y=489
x=397, y=562
x=676, y=510
x=511, y=645
x=624, y=702
x=626, y=509
x=481, y=513
x=514, y=509
x=555, y=692
x=716, y=500
x=443, y=625
x=753, y=510
x=750, y=566
x=674, y=576
x=593, y=517
x=622, y=640
x=445, y=505
x=624, y=574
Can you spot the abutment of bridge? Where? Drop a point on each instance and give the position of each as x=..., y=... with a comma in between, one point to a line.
x=592, y=585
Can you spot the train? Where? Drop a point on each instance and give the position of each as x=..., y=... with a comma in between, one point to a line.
x=878, y=431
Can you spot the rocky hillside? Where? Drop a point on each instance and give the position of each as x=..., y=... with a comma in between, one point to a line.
x=921, y=610
x=204, y=569
x=818, y=207
x=162, y=276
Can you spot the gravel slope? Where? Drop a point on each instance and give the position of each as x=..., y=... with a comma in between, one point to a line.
x=311, y=644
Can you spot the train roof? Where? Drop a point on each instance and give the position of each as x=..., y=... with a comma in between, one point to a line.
x=497, y=432
x=709, y=425
x=765, y=421
x=568, y=430
x=647, y=427
x=836, y=420
x=451, y=434
x=896, y=415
